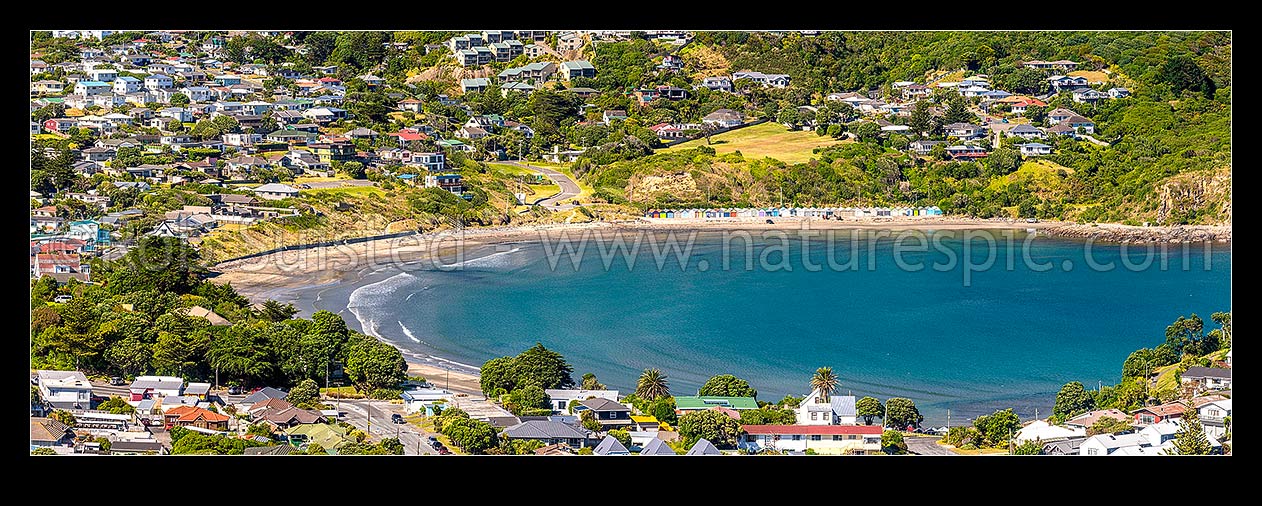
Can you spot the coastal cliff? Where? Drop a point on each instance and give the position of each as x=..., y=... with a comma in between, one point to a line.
x=1127, y=234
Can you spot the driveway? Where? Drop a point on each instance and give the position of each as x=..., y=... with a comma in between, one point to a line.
x=926, y=446
x=569, y=189
x=341, y=183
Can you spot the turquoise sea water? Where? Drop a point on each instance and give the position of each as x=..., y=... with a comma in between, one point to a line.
x=1010, y=338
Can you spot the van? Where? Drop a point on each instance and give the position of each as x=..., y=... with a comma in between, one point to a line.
x=62, y=299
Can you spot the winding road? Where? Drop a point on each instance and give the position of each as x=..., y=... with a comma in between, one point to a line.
x=569, y=189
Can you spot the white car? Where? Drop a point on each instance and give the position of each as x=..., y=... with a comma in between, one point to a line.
x=62, y=299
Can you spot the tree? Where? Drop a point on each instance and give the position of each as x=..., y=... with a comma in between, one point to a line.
x=43, y=450
x=1002, y=161
x=901, y=412
x=273, y=311
x=957, y=110
x=1072, y=400
x=1031, y=447
x=825, y=381
x=869, y=408
x=391, y=446
x=496, y=376
x=179, y=100
x=306, y=392
x=161, y=264
x=727, y=385
x=542, y=367
x=63, y=416
x=241, y=352
x=1108, y=425
x=866, y=131
x=622, y=436
x=1036, y=114
x=473, y=436
x=1223, y=319
x=920, y=118
x=116, y=406
x=527, y=397
x=1191, y=438
x=1185, y=333
x=663, y=409
x=997, y=428
x=652, y=385
x=718, y=428
x=590, y=382
x=588, y=419
x=892, y=442
x=1183, y=73
x=354, y=170
x=372, y=364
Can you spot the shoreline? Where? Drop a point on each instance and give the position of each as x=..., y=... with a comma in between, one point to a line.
x=306, y=274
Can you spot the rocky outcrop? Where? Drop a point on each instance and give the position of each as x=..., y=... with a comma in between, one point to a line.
x=1190, y=194
x=1131, y=234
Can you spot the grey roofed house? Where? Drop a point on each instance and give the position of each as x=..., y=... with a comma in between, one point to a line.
x=1064, y=447
x=704, y=447
x=1112, y=442
x=281, y=449
x=136, y=447
x=264, y=394
x=539, y=429
x=610, y=446
x=361, y=132
x=503, y=421
x=1206, y=372
x=1024, y=129
x=843, y=405
x=657, y=447
x=158, y=384
x=197, y=388
x=602, y=404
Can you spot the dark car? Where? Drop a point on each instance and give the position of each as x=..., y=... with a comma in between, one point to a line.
x=769, y=222
x=397, y=418
x=432, y=439
x=444, y=451
x=435, y=444
x=235, y=390
x=116, y=381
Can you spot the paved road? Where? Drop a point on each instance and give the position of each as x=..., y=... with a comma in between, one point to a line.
x=925, y=446
x=411, y=436
x=569, y=189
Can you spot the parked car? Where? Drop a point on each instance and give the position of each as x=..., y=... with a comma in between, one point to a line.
x=235, y=390
x=769, y=222
x=116, y=381
x=397, y=418
x=444, y=451
x=62, y=299
x=435, y=444
x=1031, y=220
x=432, y=440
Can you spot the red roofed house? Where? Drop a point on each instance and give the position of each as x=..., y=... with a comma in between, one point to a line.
x=61, y=266
x=731, y=413
x=1158, y=414
x=185, y=416
x=825, y=439
x=407, y=135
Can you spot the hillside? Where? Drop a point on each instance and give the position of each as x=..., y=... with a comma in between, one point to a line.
x=768, y=139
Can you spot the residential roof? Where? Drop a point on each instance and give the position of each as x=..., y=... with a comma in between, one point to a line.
x=197, y=388
x=201, y=312
x=703, y=447
x=263, y=394
x=191, y=413
x=1114, y=441
x=47, y=430
x=657, y=447
x=275, y=188
x=270, y=450
x=1207, y=372
x=843, y=405
x=63, y=379
x=1023, y=128
x=694, y=402
x=602, y=404
x=1167, y=409
x=326, y=435
x=578, y=65
x=157, y=383
x=1066, y=446
x=540, y=429
x=136, y=446
x=823, y=430
x=610, y=446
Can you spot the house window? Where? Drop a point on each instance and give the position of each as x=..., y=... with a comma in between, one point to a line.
x=816, y=437
x=852, y=436
x=797, y=437
x=1146, y=419
x=1092, y=451
x=814, y=416
x=1213, y=412
x=836, y=438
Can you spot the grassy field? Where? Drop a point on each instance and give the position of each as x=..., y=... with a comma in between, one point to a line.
x=317, y=179
x=765, y=140
x=1093, y=76
x=360, y=191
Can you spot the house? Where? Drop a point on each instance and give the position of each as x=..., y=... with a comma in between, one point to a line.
x=614, y=115
x=470, y=132
x=38, y=67
x=965, y=131
x=703, y=447
x=65, y=389
x=924, y=147
x=260, y=395
x=281, y=414
x=275, y=191
x=1061, y=83
x=815, y=409
x=915, y=91
x=453, y=183
x=410, y=104
x=474, y=85
x=1207, y=378
x=127, y=84
x=1040, y=430
x=825, y=439
x=47, y=433
x=423, y=399
x=656, y=447
x=1063, y=447
x=966, y=152
x=1119, y=93
x=1026, y=132
x=1106, y=444
x=551, y=432
x=362, y=133
x=281, y=449
x=62, y=267
x=1023, y=104
x=1035, y=149
x=48, y=86
x=139, y=447
x=610, y=414
x=1157, y=414
x=1058, y=64
x=193, y=416
x=1079, y=123
x=1213, y=416
x=685, y=404
x=610, y=446
x=561, y=398
x=577, y=68
x=718, y=83
x=773, y=80
x=569, y=42
x=90, y=88
x=724, y=118
x=371, y=80
x=148, y=387
x=1088, y=96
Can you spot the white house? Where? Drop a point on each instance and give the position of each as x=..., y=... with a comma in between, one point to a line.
x=1207, y=378
x=1105, y=444
x=561, y=398
x=421, y=399
x=275, y=191
x=1119, y=93
x=1035, y=149
x=825, y=439
x=1040, y=430
x=1212, y=416
x=127, y=84
x=90, y=88
x=148, y=387
x=65, y=389
x=1088, y=96
x=724, y=118
x=815, y=409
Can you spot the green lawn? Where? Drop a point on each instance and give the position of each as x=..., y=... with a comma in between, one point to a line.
x=765, y=140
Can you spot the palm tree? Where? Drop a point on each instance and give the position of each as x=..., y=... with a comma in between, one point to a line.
x=825, y=381
x=652, y=385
